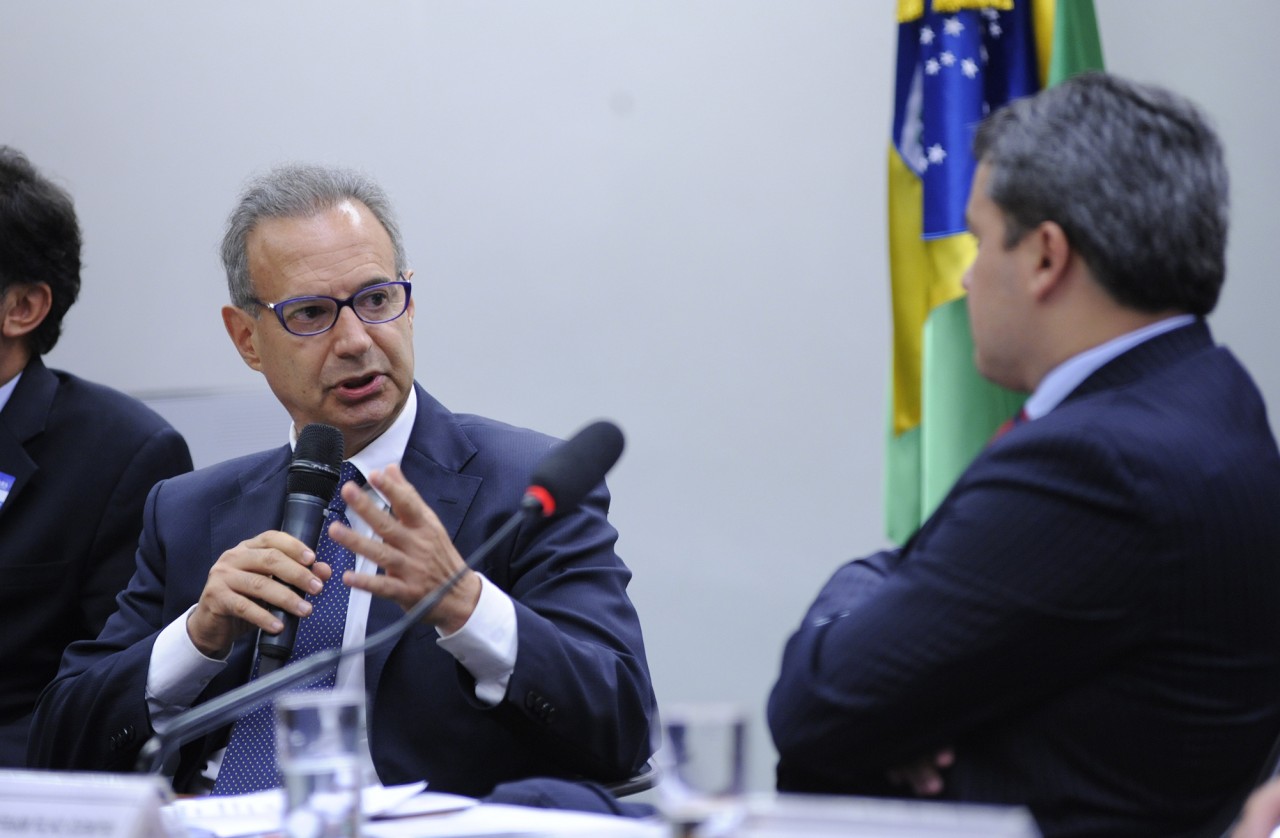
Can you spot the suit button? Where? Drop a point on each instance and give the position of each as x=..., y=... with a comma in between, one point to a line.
x=531, y=700
x=543, y=709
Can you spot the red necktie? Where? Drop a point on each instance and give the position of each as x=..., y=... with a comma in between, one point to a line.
x=1008, y=424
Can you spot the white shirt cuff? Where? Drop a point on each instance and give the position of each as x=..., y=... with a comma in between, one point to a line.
x=178, y=671
x=486, y=643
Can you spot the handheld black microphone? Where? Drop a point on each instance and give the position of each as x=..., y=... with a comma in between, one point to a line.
x=312, y=479
x=559, y=483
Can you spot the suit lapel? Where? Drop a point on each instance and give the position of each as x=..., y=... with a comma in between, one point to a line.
x=257, y=508
x=438, y=450
x=23, y=419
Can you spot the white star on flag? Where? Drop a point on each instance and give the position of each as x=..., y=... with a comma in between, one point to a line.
x=936, y=153
x=969, y=67
x=932, y=67
x=952, y=26
x=947, y=58
x=926, y=35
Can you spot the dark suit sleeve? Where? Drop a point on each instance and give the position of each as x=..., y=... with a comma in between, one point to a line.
x=1022, y=582
x=93, y=716
x=161, y=455
x=579, y=702
x=581, y=683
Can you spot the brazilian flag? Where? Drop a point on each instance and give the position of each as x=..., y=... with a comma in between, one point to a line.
x=958, y=60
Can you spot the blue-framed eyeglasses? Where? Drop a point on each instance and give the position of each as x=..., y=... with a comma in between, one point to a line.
x=373, y=304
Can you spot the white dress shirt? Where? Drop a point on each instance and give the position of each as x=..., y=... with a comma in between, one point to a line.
x=6, y=391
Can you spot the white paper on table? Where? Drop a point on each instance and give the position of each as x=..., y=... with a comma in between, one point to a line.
x=230, y=816
x=499, y=820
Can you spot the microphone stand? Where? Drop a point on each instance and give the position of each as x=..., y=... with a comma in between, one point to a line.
x=223, y=709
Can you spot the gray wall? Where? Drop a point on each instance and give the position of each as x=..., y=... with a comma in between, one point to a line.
x=667, y=212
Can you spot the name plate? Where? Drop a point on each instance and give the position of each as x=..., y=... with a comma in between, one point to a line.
x=83, y=804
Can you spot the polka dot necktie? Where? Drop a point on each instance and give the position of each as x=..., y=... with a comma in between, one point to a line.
x=249, y=763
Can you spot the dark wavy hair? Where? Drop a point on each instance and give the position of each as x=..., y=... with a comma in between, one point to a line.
x=39, y=241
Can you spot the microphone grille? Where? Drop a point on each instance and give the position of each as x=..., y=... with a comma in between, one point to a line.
x=317, y=462
x=575, y=467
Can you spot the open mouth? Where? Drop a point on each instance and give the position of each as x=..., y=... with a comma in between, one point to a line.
x=362, y=386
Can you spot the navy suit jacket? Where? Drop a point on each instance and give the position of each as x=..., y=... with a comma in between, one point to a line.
x=1089, y=618
x=579, y=702
x=82, y=458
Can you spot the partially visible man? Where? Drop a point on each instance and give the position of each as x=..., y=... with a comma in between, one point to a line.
x=1087, y=625
x=76, y=458
x=532, y=666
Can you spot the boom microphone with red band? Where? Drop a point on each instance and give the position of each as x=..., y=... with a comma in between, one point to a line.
x=312, y=479
x=574, y=468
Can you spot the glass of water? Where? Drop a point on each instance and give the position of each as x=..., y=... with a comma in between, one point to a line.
x=320, y=737
x=703, y=763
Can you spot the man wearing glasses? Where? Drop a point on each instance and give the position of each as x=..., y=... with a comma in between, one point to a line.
x=532, y=666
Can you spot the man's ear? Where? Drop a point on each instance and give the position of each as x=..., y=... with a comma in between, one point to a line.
x=1052, y=253
x=408, y=274
x=25, y=306
x=241, y=327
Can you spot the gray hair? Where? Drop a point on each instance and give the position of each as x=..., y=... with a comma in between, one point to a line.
x=297, y=191
x=1132, y=173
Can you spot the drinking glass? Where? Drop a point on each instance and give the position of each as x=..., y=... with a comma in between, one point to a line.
x=702, y=760
x=319, y=736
